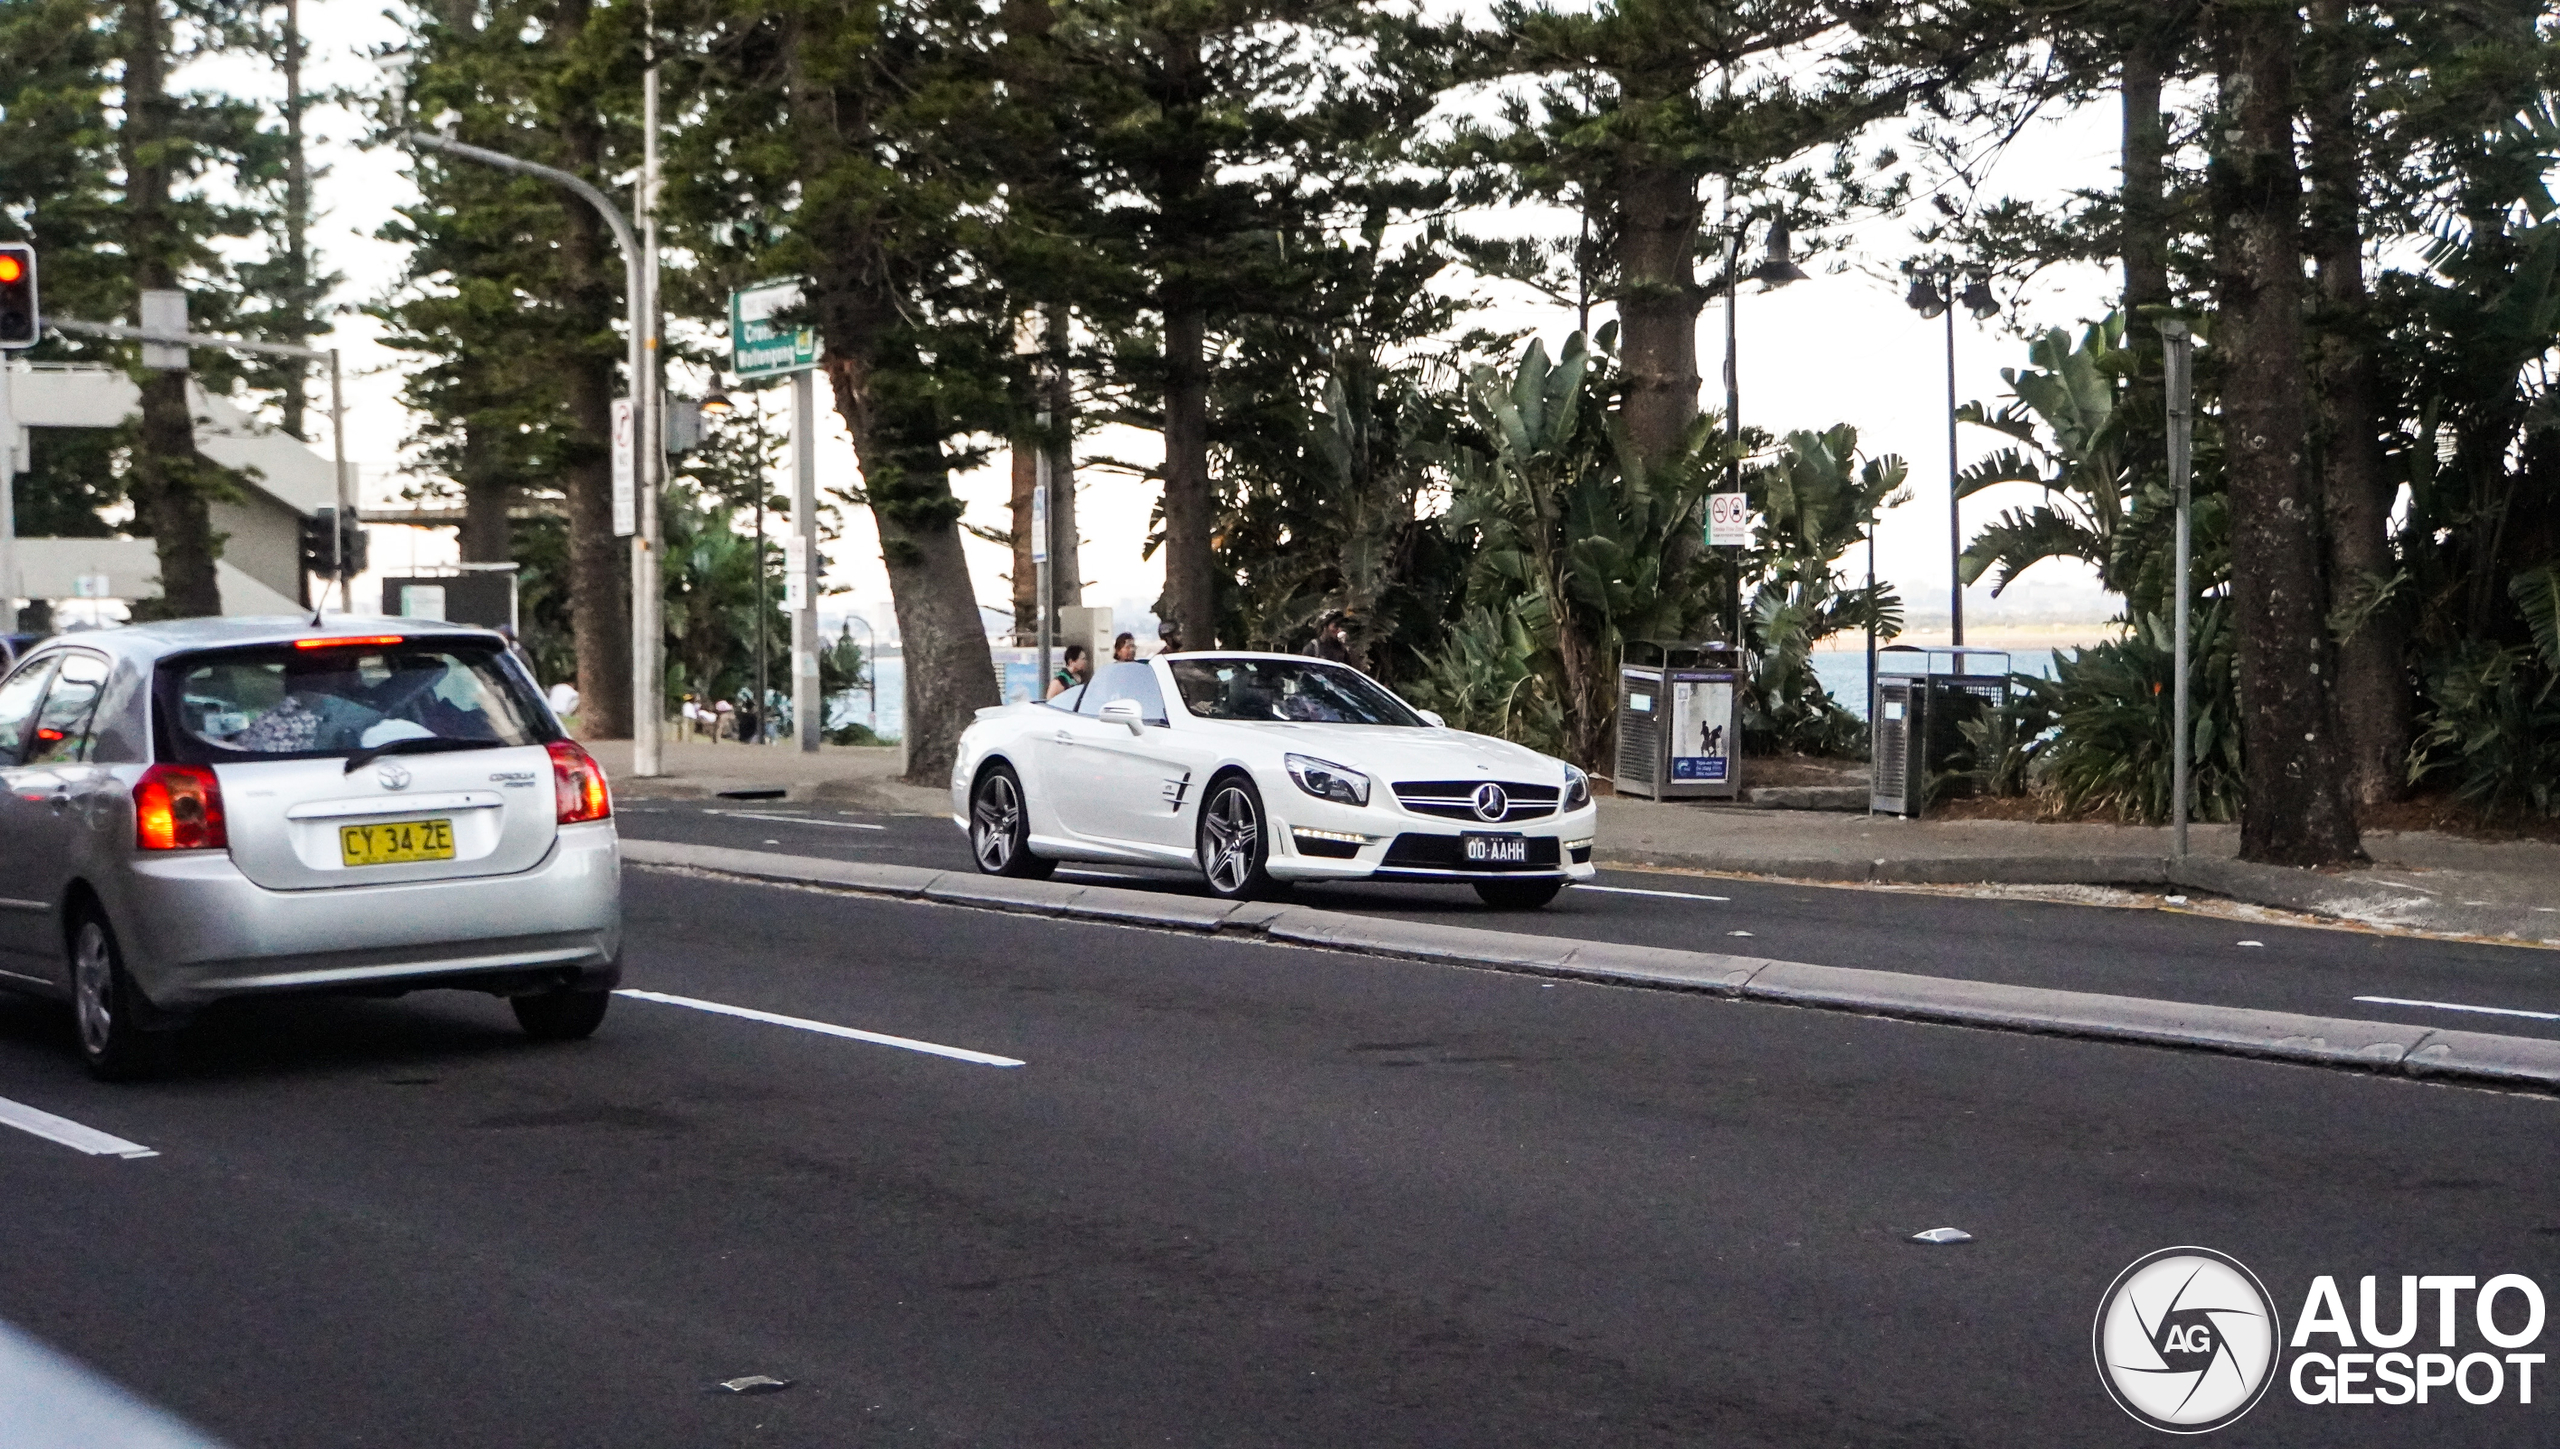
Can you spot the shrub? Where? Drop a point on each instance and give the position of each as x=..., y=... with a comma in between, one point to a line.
x=2114, y=714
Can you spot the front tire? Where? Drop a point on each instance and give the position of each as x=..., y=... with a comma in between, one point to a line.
x=1518, y=895
x=1000, y=828
x=107, y=1007
x=1235, y=845
x=568, y=1014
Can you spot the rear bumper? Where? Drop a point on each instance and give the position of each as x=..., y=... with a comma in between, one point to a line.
x=195, y=930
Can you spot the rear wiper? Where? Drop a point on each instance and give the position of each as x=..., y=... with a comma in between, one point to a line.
x=434, y=744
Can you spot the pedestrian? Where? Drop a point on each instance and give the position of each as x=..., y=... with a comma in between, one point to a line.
x=1332, y=646
x=1169, y=637
x=1076, y=670
x=723, y=718
x=750, y=727
x=1124, y=648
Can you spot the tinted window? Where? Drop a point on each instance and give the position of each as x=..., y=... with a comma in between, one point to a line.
x=62, y=727
x=1134, y=680
x=18, y=699
x=282, y=702
x=1302, y=690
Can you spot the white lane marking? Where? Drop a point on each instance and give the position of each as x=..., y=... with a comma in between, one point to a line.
x=2457, y=1006
x=1633, y=891
x=825, y=1028
x=796, y=820
x=67, y=1132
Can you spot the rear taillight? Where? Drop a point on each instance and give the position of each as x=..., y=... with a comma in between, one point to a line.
x=178, y=807
x=579, y=783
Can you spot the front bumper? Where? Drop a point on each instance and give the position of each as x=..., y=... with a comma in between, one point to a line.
x=1390, y=843
x=195, y=930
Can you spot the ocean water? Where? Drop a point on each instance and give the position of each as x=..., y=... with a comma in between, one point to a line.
x=1844, y=672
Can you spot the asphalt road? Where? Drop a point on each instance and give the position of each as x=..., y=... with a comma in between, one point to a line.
x=2162, y=954
x=1237, y=1194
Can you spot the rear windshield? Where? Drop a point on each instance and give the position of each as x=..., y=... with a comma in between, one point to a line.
x=278, y=702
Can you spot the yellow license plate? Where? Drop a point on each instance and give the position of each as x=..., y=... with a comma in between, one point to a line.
x=401, y=844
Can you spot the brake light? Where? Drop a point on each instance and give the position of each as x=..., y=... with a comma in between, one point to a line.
x=179, y=807
x=578, y=782
x=369, y=641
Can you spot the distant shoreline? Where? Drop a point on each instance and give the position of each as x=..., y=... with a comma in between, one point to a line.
x=1989, y=636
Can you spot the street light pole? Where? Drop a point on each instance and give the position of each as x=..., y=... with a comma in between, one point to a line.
x=2180, y=357
x=645, y=752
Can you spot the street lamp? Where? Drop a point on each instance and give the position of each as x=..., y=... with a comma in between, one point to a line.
x=1933, y=294
x=1777, y=269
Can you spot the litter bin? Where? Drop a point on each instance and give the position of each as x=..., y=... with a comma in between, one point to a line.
x=1916, y=721
x=1679, y=719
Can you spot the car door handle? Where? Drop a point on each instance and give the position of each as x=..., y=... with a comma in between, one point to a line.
x=1065, y=739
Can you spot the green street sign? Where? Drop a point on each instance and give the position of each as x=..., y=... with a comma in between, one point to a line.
x=760, y=348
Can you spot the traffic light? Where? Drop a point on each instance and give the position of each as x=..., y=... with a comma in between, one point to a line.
x=318, y=555
x=19, y=323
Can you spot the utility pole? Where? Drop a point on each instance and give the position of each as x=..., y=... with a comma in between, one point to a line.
x=649, y=471
x=646, y=665
x=808, y=705
x=2179, y=345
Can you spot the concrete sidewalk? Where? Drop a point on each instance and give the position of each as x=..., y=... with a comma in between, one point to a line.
x=2419, y=881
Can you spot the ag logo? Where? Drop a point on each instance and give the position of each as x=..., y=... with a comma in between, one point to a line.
x=2186, y=1340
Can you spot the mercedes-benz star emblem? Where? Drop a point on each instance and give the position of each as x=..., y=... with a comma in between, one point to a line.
x=1491, y=803
x=393, y=777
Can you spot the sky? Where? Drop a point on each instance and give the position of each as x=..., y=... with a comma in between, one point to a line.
x=1840, y=347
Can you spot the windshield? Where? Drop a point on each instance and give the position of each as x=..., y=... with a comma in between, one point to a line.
x=281, y=702
x=1306, y=691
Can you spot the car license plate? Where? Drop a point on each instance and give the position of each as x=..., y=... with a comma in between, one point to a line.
x=405, y=843
x=1495, y=849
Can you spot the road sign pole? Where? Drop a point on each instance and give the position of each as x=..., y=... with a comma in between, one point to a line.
x=808, y=708
x=1045, y=610
x=2180, y=357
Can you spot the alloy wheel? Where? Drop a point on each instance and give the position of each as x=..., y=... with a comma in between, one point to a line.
x=93, y=983
x=994, y=823
x=1230, y=833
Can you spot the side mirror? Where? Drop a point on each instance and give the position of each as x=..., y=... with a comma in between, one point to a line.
x=1125, y=711
x=1432, y=718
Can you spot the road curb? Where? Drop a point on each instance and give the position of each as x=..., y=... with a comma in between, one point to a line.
x=2335, y=1042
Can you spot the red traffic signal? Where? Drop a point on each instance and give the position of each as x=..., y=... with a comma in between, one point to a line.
x=18, y=321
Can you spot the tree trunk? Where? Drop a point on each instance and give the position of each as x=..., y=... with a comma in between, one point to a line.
x=1190, y=572
x=2143, y=210
x=950, y=671
x=599, y=562
x=1066, y=566
x=2297, y=810
x=297, y=222
x=1658, y=301
x=1025, y=450
x=488, y=497
x=168, y=480
x=2372, y=688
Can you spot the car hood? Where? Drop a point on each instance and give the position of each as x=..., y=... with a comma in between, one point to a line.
x=1390, y=754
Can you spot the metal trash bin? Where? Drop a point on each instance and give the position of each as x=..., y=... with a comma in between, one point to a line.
x=1680, y=719
x=1923, y=698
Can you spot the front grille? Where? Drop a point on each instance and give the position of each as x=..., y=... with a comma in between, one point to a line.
x=1444, y=852
x=1456, y=799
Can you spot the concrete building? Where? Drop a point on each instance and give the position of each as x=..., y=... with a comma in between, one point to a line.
x=283, y=482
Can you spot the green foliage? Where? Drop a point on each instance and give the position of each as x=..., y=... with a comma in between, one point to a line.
x=2069, y=425
x=1816, y=501
x=549, y=635
x=2493, y=728
x=2114, y=706
x=2002, y=745
x=709, y=570
x=1486, y=678
x=1573, y=537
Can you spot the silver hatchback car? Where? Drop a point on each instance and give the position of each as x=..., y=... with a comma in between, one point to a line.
x=222, y=808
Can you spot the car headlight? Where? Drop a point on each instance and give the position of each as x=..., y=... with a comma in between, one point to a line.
x=1577, y=788
x=1328, y=781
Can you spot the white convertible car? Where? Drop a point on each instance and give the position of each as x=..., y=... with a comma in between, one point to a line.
x=1263, y=768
